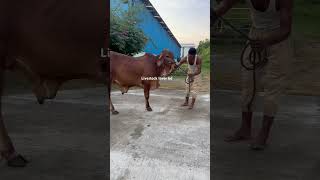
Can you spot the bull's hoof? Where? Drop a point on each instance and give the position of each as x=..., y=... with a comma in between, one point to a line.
x=149, y=109
x=41, y=101
x=115, y=112
x=257, y=147
x=17, y=161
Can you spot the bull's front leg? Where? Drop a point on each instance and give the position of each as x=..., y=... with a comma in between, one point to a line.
x=7, y=149
x=146, y=96
x=112, y=109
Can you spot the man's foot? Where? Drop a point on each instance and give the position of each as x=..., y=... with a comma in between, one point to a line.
x=148, y=108
x=260, y=141
x=244, y=133
x=240, y=135
x=258, y=147
x=186, y=102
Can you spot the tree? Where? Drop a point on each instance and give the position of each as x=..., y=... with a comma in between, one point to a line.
x=204, y=51
x=203, y=45
x=125, y=36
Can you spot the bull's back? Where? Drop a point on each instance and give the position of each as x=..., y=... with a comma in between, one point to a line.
x=58, y=38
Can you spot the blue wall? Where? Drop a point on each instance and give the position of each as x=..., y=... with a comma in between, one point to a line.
x=158, y=37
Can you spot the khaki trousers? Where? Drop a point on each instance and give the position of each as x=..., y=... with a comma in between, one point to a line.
x=194, y=87
x=273, y=78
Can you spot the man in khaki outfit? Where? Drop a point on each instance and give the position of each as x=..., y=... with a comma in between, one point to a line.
x=193, y=79
x=270, y=36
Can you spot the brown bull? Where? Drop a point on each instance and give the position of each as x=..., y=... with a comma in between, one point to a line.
x=51, y=42
x=127, y=71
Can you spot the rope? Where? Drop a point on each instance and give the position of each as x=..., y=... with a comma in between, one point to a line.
x=187, y=80
x=256, y=59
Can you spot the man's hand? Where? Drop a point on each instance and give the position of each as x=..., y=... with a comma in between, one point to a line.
x=190, y=75
x=258, y=45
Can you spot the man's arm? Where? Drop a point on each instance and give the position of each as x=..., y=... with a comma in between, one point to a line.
x=224, y=7
x=284, y=31
x=286, y=7
x=182, y=61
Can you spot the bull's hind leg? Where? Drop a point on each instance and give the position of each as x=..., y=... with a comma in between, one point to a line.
x=112, y=109
x=146, y=96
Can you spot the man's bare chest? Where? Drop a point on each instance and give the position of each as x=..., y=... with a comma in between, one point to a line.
x=263, y=5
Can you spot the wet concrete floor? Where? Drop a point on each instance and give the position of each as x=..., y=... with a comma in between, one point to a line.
x=293, y=152
x=65, y=139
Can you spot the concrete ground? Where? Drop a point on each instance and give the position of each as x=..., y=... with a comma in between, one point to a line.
x=64, y=138
x=169, y=143
x=294, y=149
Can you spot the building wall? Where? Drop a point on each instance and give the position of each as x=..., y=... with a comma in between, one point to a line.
x=185, y=48
x=158, y=38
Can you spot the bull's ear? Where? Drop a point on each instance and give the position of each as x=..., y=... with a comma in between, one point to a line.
x=160, y=60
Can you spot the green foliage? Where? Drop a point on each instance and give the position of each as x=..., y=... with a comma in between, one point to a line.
x=305, y=19
x=204, y=51
x=203, y=45
x=181, y=71
x=125, y=36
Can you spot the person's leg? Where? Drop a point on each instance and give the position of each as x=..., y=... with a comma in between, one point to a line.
x=274, y=87
x=244, y=132
x=186, y=102
x=275, y=83
x=194, y=88
x=194, y=96
x=193, y=100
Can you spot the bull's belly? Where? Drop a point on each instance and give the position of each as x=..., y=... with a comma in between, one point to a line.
x=49, y=68
x=59, y=42
x=128, y=82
